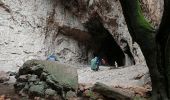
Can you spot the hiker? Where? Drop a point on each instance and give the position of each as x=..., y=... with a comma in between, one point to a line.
x=95, y=62
x=104, y=61
x=52, y=58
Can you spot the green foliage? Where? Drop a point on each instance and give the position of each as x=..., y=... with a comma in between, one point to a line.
x=139, y=28
x=141, y=20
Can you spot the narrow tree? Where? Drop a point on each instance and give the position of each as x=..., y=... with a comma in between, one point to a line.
x=154, y=45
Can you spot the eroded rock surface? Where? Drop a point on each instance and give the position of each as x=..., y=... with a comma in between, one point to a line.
x=34, y=29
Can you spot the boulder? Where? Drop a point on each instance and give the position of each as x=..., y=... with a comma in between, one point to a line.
x=32, y=78
x=19, y=86
x=62, y=74
x=37, y=90
x=46, y=78
x=22, y=78
x=70, y=95
x=50, y=92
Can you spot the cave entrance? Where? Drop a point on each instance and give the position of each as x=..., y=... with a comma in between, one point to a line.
x=111, y=52
x=103, y=43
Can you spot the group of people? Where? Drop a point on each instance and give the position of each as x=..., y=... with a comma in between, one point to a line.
x=96, y=62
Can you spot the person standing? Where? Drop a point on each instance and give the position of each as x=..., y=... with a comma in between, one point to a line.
x=95, y=62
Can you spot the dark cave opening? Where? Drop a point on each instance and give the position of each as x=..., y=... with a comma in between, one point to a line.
x=103, y=43
x=111, y=52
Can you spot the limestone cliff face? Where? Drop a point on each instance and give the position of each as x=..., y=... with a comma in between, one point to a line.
x=22, y=25
x=33, y=29
x=29, y=30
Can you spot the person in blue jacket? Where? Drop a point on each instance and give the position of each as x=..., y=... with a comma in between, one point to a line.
x=95, y=62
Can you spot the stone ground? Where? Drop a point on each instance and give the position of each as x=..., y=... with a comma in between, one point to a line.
x=119, y=76
x=133, y=79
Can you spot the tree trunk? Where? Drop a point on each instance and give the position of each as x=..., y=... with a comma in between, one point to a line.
x=167, y=64
x=163, y=41
x=143, y=33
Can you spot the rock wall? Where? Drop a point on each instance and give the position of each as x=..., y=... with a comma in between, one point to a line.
x=61, y=24
x=28, y=31
x=22, y=26
x=33, y=29
x=110, y=13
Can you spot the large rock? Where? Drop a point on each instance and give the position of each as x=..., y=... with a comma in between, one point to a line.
x=36, y=77
x=37, y=90
x=63, y=74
